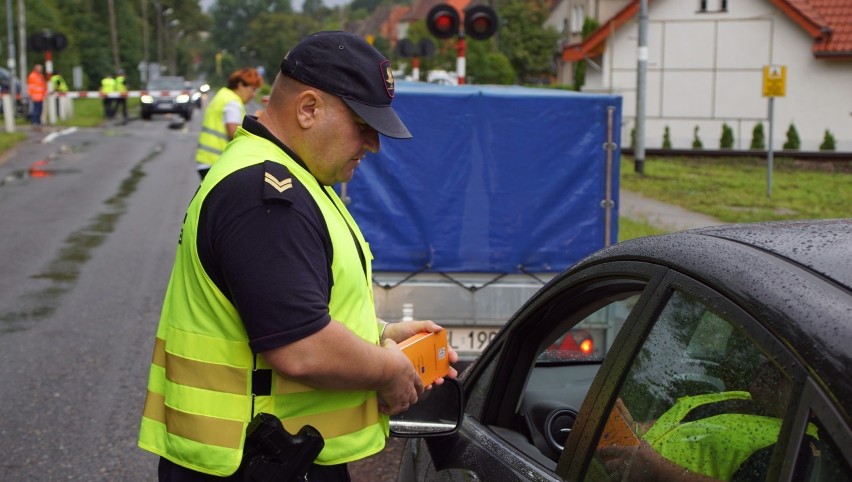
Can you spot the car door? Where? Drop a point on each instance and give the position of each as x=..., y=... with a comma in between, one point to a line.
x=705, y=391
x=524, y=391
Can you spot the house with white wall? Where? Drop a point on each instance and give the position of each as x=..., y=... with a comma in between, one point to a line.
x=705, y=66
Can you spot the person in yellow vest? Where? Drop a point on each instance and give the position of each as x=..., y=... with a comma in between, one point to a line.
x=108, y=87
x=58, y=83
x=709, y=437
x=121, y=88
x=269, y=309
x=224, y=113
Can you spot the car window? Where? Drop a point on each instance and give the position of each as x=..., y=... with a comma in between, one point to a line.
x=699, y=399
x=167, y=83
x=819, y=458
x=591, y=338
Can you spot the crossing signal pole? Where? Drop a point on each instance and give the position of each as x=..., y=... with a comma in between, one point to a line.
x=443, y=22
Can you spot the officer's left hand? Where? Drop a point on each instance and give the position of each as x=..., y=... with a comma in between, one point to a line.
x=404, y=330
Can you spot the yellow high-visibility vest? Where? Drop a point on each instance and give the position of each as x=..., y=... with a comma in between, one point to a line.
x=214, y=135
x=200, y=400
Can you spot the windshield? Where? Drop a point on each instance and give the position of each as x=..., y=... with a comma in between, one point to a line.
x=167, y=83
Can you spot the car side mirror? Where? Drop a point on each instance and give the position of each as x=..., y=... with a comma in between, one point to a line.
x=437, y=413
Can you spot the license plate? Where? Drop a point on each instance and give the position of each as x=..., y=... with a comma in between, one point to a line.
x=471, y=340
x=164, y=105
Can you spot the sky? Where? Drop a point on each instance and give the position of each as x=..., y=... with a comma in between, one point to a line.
x=297, y=4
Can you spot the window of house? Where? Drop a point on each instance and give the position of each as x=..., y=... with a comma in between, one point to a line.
x=578, y=16
x=713, y=6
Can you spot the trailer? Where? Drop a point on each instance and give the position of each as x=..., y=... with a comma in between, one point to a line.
x=501, y=188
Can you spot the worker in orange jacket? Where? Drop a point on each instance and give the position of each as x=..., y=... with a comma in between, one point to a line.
x=37, y=88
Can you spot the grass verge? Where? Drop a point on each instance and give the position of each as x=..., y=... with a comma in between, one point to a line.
x=735, y=190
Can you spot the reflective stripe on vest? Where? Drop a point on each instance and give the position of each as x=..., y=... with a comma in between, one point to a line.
x=214, y=134
x=199, y=389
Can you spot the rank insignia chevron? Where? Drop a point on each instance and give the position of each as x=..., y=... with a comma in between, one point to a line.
x=279, y=186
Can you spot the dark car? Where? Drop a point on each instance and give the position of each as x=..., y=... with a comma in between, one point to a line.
x=167, y=95
x=727, y=353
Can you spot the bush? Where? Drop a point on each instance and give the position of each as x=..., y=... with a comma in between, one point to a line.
x=828, y=142
x=696, y=141
x=590, y=25
x=633, y=138
x=667, y=139
x=758, y=141
x=793, y=142
x=727, y=139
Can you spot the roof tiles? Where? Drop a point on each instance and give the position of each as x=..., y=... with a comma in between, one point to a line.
x=828, y=22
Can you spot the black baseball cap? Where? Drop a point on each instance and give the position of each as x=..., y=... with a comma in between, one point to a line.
x=345, y=65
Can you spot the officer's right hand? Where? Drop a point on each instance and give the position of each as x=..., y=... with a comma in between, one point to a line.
x=404, y=385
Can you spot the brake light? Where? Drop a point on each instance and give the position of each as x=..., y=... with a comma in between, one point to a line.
x=587, y=346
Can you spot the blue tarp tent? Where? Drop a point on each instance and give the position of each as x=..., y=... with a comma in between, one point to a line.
x=495, y=180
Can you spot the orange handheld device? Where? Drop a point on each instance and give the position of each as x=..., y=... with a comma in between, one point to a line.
x=430, y=355
x=618, y=431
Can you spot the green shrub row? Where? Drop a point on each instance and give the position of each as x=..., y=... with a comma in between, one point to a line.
x=758, y=139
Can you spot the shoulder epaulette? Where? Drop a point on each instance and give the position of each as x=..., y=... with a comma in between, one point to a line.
x=277, y=183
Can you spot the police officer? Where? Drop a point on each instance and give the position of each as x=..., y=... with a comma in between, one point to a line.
x=107, y=88
x=58, y=83
x=223, y=115
x=121, y=100
x=270, y=306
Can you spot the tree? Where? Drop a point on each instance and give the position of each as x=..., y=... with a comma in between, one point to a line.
x=793, y=142
x=727, y=139
x=828, y=142
x=529, y=46
x=589, y=26
x=757, y=137
x=272, y=35
x=486, y=65
x=315, y=9
x=231, y=20
x=696, y=141
x=667, y=138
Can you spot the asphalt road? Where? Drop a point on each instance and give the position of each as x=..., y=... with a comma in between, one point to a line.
x=90, y=222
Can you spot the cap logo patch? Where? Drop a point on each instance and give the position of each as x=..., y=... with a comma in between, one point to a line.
x=387, y=73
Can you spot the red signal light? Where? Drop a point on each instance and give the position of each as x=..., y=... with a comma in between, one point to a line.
x=443, y=21
x=480, y=22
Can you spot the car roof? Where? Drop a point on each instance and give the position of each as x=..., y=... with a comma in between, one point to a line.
x=794, y=277
x=823, y=246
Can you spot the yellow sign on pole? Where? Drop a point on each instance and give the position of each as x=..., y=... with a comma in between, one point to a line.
x=774, y=80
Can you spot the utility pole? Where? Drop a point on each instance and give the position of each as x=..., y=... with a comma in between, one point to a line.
x=145, y=47
x=641, y=76
x=116, y=62
x=10, y=63
x=159, y=36
x=10, y=107
x=22, y=54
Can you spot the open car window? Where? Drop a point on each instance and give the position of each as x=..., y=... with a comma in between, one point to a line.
x=591, y=338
